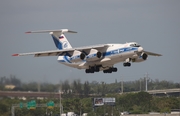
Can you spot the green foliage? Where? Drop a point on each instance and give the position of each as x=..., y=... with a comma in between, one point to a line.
x=77, y=104
x=165, y=104
x=136, y=103
x=86, y=88
x=3, y=108
x=94, y=87
x=92, y=113
x=86, y=104
x=76, y=97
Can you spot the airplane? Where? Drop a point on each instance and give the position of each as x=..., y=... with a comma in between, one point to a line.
x=93, y=58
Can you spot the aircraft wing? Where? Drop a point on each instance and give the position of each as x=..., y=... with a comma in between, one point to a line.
x=59, y=52
x=43, y=53
x=151, y=53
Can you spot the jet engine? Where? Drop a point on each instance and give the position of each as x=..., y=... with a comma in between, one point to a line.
x=143, y=57
x=94, y=55
x=77, y=56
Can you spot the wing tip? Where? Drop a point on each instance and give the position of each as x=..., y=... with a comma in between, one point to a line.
x=72, y=31
x=28, y=32
x=15, y=55
x=159, y=55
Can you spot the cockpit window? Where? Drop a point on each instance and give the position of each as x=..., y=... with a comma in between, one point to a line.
x=135, y=45
x=132, y=45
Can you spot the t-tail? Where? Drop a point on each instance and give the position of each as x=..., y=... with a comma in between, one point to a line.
x=58, y=36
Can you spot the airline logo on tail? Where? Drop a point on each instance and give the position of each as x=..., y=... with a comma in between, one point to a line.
x=61, y=37
x=65, y=44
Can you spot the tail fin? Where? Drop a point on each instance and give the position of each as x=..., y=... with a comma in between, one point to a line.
x=58, y=36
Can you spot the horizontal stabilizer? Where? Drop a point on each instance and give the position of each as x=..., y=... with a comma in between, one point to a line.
x=48, y=31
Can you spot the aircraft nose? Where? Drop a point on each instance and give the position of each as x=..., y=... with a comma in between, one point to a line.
x=140, y=49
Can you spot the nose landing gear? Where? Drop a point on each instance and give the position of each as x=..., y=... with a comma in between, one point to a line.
x=127, y=62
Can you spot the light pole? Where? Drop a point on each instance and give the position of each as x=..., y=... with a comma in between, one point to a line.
x=60, y=102
x=146, y=81
x=122, y=86
x=179, y=100
x=80, y=109
x=140, y=83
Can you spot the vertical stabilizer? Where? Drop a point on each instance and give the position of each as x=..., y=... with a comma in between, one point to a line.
x=60, y=40
x=58, y=36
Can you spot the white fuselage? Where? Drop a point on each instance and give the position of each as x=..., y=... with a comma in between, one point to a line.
x=113, y=54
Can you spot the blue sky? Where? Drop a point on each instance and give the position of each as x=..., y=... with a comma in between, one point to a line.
x=155, y=24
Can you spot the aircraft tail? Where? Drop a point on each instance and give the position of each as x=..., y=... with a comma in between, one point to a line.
x=58, y=36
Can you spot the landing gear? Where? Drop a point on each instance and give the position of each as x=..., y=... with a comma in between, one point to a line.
x=110, y=70
x=126, y=64
x=93, y=69
x=97, y=69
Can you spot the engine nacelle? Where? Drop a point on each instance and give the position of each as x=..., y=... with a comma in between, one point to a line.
x=93, y=55
x=143, y=57
x=77, y=56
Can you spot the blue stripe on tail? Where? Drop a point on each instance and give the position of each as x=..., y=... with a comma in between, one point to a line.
x=57, y=42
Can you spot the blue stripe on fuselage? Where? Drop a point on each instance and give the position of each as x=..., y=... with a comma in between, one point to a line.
x=112, y=52
x=61, y=60
x=66, y=59
x=119, y=51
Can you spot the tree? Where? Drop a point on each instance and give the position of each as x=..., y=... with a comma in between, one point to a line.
x=77, y=87
x=135, y=102
x=165, y=104
x=104, y=89
x=15, y=81
x=66, y=87
x=86, y=88
x=3, y=108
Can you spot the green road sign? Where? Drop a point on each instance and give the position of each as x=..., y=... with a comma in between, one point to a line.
x=21, y=105
x=31, y=105
x=50, y=105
